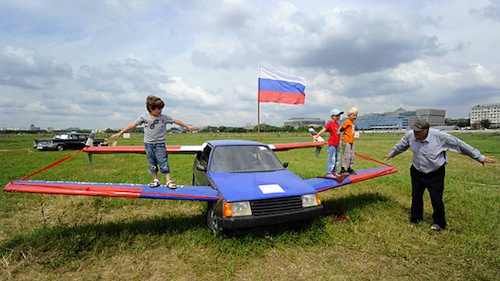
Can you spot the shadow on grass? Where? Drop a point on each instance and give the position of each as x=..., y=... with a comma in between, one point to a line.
x=77, y=241
x=63, y=242
x=339, y=207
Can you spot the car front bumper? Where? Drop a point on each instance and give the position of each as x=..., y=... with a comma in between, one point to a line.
x=45, y=146
x=274, y=219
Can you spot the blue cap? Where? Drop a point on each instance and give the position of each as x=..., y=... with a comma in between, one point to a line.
x=336, y=112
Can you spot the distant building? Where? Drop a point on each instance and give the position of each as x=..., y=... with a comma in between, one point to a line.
x=489, y=112
x=399, y=119
x=34, y=128
x=304, y=121
x=435, y=117
x=381, y=122
x=399, y=112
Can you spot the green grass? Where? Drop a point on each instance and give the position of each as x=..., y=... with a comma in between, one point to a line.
x=363, y=234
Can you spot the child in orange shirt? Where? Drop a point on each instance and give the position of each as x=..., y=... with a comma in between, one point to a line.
x=348, y=128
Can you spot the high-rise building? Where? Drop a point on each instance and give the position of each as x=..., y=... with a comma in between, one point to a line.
x=435, y=117
x=489, y=112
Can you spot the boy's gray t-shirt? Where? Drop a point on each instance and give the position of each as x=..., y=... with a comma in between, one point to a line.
x=155, y=127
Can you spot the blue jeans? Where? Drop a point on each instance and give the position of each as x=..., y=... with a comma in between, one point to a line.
x=157, y=156
x=333, y=159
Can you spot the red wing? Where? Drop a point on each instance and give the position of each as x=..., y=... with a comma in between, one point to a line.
x=188, y=149
x=323, y=183
x=199, y=193
x=287, y=146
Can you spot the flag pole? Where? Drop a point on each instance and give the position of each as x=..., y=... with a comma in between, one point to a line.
x=258, y=121
x=258, y=108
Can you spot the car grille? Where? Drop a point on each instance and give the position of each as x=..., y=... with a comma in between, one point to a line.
x=275, y=205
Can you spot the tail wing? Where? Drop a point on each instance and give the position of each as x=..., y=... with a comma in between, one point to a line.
x=319, y=138
x=314, y=133
x=90, y=140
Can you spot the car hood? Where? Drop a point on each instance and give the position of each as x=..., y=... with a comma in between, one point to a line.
x=259, y=185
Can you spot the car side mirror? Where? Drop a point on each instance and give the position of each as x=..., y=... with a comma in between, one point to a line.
x=285, y=165
x=201, y=168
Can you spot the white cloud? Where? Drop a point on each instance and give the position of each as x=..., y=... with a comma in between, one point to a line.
x=67, y=64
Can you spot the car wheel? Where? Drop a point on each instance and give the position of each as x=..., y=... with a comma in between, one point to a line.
x=60, y=147
x=212, y=222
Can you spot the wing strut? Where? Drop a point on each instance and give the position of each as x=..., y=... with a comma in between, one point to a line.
x=51, y=165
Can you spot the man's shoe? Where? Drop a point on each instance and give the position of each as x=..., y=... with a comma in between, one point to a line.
x=351, y=171
x=436, y=227
x=343, y=171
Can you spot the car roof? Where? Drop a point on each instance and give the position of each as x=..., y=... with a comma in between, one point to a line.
x=71, y=133
x=215, y=143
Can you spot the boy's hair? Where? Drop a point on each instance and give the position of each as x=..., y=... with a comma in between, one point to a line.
x=352, y=110
x=154, y=102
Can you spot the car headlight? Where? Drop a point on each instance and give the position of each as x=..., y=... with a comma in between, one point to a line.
x=237, y=209
x=310, y=200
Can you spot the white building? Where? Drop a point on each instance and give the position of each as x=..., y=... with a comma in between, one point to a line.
x=489, y=112
x=304, y=121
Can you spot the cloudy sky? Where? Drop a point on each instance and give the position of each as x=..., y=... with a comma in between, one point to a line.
x=91, y=64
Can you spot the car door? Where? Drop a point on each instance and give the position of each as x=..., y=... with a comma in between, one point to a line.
x=200, y=167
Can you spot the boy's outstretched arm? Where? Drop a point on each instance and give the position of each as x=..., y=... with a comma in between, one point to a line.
x=319, y=134
x=180, y=123
x=124, y=130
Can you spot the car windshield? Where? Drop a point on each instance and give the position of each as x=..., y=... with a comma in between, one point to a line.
x=62, y=137
x=244, y=158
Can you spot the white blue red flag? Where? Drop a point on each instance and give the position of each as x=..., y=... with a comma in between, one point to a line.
x=275, y=86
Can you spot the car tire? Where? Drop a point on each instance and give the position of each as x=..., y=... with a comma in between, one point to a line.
x=212, y=221
x=60, y=147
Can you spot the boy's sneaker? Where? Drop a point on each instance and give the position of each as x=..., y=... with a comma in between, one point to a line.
x=343, y=171
x=351, y=171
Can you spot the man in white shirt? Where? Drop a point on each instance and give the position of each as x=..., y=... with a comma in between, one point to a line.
x=429, y=148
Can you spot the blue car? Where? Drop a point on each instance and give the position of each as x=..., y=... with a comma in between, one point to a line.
x=254, y=188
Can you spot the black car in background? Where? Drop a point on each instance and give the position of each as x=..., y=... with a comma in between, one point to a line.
x=65, y=141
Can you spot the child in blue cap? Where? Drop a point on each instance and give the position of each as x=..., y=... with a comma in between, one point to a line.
x=333, y=128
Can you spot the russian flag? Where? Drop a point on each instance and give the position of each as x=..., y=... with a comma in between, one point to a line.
x=275, y=86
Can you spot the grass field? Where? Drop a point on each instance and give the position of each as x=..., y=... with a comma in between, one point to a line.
x=363, y=235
